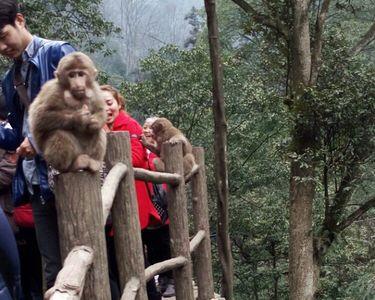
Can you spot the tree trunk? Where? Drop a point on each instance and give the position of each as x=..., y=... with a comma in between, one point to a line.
x=221, y=171
x=302, y=188
x=178, y=227
x=80, y=220
x=127, y=230
x=301, y=273
x=317, y=267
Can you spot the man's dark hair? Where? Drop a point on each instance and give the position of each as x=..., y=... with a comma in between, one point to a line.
x=8, y=12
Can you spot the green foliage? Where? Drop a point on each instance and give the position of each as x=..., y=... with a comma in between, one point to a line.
x=339, y=110
x=349, y=269
x=77, y=21
x=176, y=85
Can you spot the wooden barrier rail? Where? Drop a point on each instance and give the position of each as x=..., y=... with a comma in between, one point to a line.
x=118, y=195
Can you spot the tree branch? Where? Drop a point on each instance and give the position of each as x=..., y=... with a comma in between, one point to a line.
x=342, y=196
x=364, y=41
x=316, y=59
x=272, y=23
x=357, y=214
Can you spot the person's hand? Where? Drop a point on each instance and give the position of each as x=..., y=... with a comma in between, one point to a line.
x=143, y=140
x=26, y=149
x=11, y=157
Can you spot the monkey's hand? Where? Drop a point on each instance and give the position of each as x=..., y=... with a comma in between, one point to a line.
x=94, y=124
x=177, y=138
x=150, y=146
x=81, y=119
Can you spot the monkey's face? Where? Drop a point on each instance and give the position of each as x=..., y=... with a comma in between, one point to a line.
x=159, y=127
x=156, y=129
x=78, y=80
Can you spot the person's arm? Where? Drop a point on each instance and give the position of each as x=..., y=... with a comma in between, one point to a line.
x=9, y=139
x=139, y=155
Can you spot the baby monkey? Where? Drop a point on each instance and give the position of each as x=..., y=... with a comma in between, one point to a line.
x=164, y=131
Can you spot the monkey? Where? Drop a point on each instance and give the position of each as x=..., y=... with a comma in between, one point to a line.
x=164, y=131
x=67, y=116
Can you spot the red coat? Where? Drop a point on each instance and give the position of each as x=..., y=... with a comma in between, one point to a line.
x=147, y=212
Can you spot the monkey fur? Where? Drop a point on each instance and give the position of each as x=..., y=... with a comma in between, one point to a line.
x=164, y=131
x=67, y=116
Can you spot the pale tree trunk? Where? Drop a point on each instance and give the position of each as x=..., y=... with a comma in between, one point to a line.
x=221, y=171
x=302, y=188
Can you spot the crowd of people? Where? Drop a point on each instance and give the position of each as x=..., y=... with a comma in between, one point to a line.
x=29, y=243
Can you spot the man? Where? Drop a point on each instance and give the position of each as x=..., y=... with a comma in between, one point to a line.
x=35, y=60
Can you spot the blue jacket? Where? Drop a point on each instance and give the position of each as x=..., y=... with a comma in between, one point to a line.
x=43, y=64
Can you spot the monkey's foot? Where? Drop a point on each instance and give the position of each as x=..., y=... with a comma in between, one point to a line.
x=85, y=162
x=95, y=165
x=174, y=140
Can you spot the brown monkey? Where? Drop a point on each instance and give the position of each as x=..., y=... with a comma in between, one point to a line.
x=67, y=116
x=164, y=131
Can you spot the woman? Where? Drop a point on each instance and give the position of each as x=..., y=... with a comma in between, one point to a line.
x=157, y=238
x=119, y=120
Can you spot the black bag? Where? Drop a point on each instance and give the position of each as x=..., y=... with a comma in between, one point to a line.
x=159, y=200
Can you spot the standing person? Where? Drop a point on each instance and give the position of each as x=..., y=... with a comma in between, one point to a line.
x=10, y=277
x=156, y=237
x=119, y=120
x=35, y=60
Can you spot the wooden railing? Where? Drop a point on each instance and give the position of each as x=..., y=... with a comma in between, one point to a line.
x=83, y=207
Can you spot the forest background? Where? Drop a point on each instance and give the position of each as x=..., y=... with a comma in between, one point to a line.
x=156, y=52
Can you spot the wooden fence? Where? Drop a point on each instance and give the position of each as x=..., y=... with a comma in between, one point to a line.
x=82, y=208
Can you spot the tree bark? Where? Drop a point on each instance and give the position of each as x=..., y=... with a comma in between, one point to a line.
x=301, y=271
x=127, y=229
x=179, y=227
x=302, y=187
x=80, y=220
x=202, y=258
x=221, y=170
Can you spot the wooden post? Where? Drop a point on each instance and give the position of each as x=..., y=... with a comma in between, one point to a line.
x=80, y=221
x=127, y=230
x=202, y=256
x=179, y=229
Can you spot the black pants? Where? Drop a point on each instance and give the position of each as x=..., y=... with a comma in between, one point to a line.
x=47, y=236
x=114, y=281
x=157, y=242
x=31, y=264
